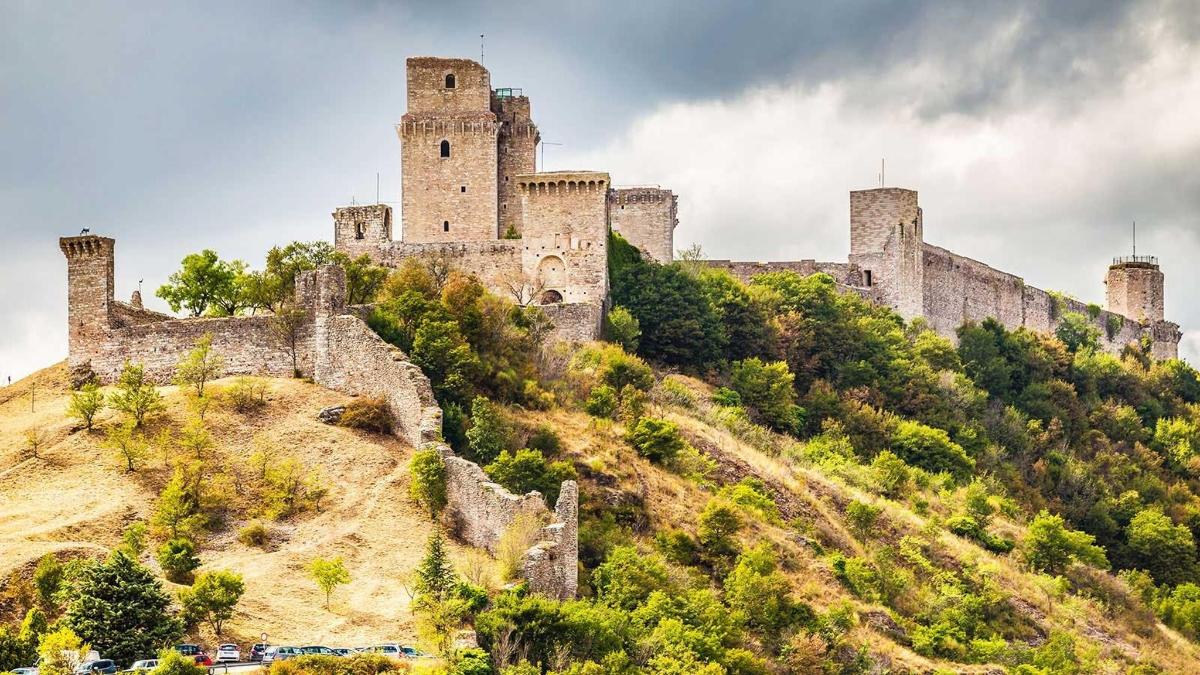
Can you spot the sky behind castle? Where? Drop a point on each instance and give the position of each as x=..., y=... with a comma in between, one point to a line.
x=1035, y=132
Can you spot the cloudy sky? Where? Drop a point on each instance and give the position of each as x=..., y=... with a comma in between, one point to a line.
x=1034, y=131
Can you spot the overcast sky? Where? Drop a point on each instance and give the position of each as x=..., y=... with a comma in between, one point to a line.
x=1034, y=131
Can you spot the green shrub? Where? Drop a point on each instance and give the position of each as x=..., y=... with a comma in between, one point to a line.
x=1049, y=546
x=527, y=470
x=320, y=664
x=725, y=396
x=655, y=439
x=86, y=404
x=368, y=414
x=767, y=388
x=719, y=522
x=427, y=485
x=891, y=474
x=751, y=494
x=246, y=395
x=171, y=662
x=673, y=392
x=618, y=369
x=254, y=534
x=178, y=559
x=602, y=402
x=930, y=448
x=862, y=517
x=490, y=431
x=621, y=327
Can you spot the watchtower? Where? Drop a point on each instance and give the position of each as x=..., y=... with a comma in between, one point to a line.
x=448, y=152
x=361, y=229
x=646, y=217
x=887, y=245
x=516, y=154
x=1134, y=288
x=89, y=293
x=565, y=239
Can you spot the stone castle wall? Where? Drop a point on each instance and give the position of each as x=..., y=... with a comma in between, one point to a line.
x=646, y=217
x=516, y=155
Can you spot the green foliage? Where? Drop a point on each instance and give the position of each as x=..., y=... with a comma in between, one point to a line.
x=120, y=609
x=178, y=507
x=490, y=432
x=655, y=439
x=14, y=651
x=1165, y=550
x=527, y=470
x=60, y=651
x=1049, y=546
x=1176, y=439
x=891, y=474
x=724, y=396
x=133, y=539
x=628, y=577
x=254, y=534
x=767, y=388
x=751, y=494
x=199, y=366
x=761, y=593
x=127, y=444
x=428, y=480
x=368, y=414
x=178, y=558
x=246, y=395
x=622, y=327
x=602, y=402
x=328, y=573
x=85, y=404
x=47, y=579
x=135, y=396
x=862, y=518
x=212, y=598
x=1077, y=332
x=545, y=439
x=930, y=449
x=205, y=283
x=435, y=575
x=171, y=662
x=719, y=523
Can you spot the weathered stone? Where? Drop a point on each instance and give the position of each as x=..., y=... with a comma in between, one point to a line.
x=332, y=414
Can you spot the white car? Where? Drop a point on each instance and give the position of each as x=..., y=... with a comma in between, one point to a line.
x=228, y=653
x=143, y=665
x=392, y=651
x=26, y=671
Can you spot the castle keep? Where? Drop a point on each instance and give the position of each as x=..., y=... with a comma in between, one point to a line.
x=891, y=264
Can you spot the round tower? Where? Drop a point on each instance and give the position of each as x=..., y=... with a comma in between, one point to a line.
x=1134, y=288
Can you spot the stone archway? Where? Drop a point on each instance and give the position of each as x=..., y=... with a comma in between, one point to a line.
x=551, y=297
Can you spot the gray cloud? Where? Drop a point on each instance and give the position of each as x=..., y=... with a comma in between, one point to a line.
x=235, y=126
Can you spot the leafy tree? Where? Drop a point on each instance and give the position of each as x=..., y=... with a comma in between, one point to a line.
x=622, y=328
x=203, y=281
x=527, y=470
x=135, y=396
x=329, y=574
x=1049, y=545
x=85, y=404
x=48, y=579
x=172, y=662
x=178, y=558
x=1077, y=332
x=178, y=507
x=862, y=517
x=121, y=610
x=490, y=432
x=656, y=439
x=428, y=480
x=60, y=652
x=364, y=279
x=891, y=473
x=761, y=593
x=133, y=540
x=286, y=328
x=212, y=598
x=15, y=652
x=628, y=577
x=747, y=326
x=1165, y=550
x=127, y=444
x=33, y=627
x=199, y=366
x=719, y=522
x=767, y=388
x=930, y=448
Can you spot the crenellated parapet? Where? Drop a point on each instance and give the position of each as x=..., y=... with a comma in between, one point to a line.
x=646, y=217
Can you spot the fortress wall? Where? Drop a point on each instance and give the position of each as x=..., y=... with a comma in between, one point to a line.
x=746, y=271
x=958, y=289
x=124, y=314
x=575, y=321
x=646, y=218
x=497, y=263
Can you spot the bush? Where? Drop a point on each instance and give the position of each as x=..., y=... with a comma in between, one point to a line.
x=246, y=395
x=930, y=448
x=719, y=522
x=862, y=517
x=427, y=473
x=178, y=559
x=621, y=327
x=522, y=533
x=1050, y=546
x=673, y=392
x=602, y=402
x=618, y=369
x=751, y=494
x=368, y=414
x=490, y=432
x=725, y=396
x=527, y=470
x=767, y=389
x=85, y=404
x=545, y=439
x=891, y=474
x=655, y=439
x=254, y=534
x=320, y=664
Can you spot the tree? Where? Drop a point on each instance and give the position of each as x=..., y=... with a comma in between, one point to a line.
x=199, y=366
x=85, y=403
x=490, y=432
x=47, y=579
x=1077, y=332
x=760, y=592
x=428, y=480
x=203, y=281
x=212, y=597
x=1165, y=550
x=60, y=652
x=120, y=609
x=172, y=662
x=768, y=389
x=15, y=652
x=177, y=509
x=178, y=558
x=133, y=540
x=655, y=439
x=719, y=522
x=930, y=448
x=364, y=278
x=286, y=328
x=527, y=470
x=621, y=327
x=329, y=574
x=34, y=440
x=1050, y=545
x=127, y=444
x=135, y=396
x=435, y=574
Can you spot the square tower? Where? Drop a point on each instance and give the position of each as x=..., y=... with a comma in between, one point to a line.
x=362, y=229
x=565, y=239
x=448, y=152
x=89, y=293
x=646, y=217
x=516, y=154
x=1134, y=288
x=887, y=245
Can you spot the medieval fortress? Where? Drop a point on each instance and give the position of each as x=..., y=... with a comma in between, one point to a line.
x=472, y=197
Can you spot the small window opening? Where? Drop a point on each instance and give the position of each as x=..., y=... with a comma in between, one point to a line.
x=445, y=148
x=445, y=226
x=450, y=81
x=867, y=277
x=462, y=188
x=358, y=231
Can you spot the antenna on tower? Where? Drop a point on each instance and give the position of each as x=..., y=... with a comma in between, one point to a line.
x=882, y=171
x=481, y=47
x=376, y=187
x=1135, y=238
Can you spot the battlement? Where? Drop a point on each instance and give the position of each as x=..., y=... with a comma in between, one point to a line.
x=468, y=123
x=563, y=182
x=640, y=195
x=86, y=245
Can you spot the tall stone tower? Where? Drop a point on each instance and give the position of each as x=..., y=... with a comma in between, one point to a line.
x=449, y=152
x=646, y=217
x=565, y=242
x=1134, y=288
x=887, y=245
x=516, y=154
x=89, y=293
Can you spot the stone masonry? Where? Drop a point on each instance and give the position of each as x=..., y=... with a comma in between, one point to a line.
x=646, y=217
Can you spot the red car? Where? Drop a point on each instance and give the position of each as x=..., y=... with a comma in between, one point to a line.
x=203, y=659
x=196, y=652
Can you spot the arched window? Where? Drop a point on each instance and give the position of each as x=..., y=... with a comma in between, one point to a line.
x=445, y=226
x=551, y=297
x=450, y=80
x=445, y=148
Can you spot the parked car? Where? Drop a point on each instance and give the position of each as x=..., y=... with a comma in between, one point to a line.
x=274, y=654
x=315, y=649
x=392, y=651
x=414, y=653
x=228, y=653
x=32, y=670
x=188, y=649
x=99, y=666
x=256, y=652
x=142, y=666
x=344, y=651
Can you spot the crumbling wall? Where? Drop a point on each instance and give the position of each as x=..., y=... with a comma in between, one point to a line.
x=575, y=321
